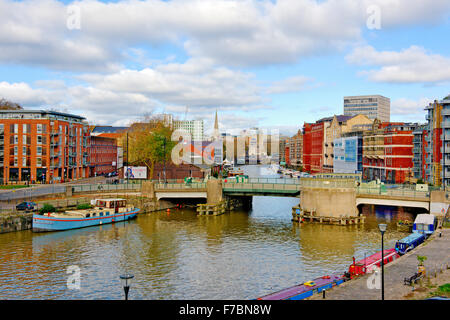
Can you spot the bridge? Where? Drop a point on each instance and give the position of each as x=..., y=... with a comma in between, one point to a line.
x=325, y=196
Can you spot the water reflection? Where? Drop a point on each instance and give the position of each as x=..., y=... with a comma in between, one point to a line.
x=180, y=255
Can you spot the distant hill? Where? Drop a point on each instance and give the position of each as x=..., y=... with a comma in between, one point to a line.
x=8, y=105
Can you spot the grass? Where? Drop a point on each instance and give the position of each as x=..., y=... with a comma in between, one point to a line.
x=442, y=291
x=13, y=186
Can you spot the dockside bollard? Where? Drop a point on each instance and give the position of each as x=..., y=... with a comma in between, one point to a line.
x=323, y=294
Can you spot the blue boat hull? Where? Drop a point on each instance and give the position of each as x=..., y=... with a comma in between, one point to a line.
x=42, y=223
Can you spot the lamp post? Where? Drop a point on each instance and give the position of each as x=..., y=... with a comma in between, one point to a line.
x=382, y=228
x=126, y=282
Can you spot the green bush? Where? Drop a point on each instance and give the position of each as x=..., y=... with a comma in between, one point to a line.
x=47, y=208
x=83, y=206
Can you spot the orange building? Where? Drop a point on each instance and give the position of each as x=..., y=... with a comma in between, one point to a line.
x=42, y=146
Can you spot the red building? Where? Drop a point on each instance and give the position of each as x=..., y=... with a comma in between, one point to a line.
x=306, y=154
x=388, y=152
x=103, y=155
x=287, y=153
x=42, y=146
x=317, y=145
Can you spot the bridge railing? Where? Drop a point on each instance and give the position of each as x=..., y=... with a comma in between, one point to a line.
x=178, y=186
x=394, y=192
x=260, y=187
x=105, y=187
x=264, y=180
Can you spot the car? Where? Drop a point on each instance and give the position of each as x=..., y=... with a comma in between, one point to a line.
x=27, y=206
x=438, y=298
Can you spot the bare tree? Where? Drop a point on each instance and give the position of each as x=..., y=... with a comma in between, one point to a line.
x=8, y=105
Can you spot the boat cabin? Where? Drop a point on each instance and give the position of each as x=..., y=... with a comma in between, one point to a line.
x=410, y=242
x=424, y=224
x=111, y=204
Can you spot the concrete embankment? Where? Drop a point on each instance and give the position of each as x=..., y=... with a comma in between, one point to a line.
x=15, y=222
x=437, y=251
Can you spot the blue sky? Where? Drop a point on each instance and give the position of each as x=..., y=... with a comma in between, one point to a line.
x=271, y=64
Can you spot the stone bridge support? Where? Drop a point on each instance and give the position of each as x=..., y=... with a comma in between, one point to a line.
x=324, y=202
x=214, y=191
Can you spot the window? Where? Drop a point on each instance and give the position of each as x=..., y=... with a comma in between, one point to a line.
x=39, y=151
x=24, y=161
x=24, y=128
x=24, y=151
x=39, y=128
x=38, y=162
x=39, y=139
x=16, y=128
x=16, y=162
x=16, y=139
x=16, y=151
x=24, y=139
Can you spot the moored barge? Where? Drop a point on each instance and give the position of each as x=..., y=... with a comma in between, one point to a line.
x=104, y=211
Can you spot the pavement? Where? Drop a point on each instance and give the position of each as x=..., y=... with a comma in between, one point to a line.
x=437, y=251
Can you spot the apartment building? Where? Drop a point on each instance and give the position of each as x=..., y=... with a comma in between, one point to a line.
x=445, y=173
x=388, y=152
x=373, y=106
x=102, y=155
x=296, y=149
x=419, y=142
x=348, y=153
x=40, y=145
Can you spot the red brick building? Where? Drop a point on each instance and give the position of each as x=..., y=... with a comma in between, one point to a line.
x=45, y=146
x=102, y=155
x=388, y=152
x=317, y=145
x=306, y=154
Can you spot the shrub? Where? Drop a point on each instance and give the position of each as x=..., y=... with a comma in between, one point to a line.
x=83, y=206
x=47, y=208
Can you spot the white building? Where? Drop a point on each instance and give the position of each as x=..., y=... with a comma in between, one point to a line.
x=374, y=107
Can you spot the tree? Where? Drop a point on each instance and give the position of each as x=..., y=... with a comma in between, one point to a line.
x=148, y=143
x=8, y=105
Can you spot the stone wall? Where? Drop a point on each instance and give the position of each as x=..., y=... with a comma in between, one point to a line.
x=329, y=202
x=214, y=191
x=16, y=222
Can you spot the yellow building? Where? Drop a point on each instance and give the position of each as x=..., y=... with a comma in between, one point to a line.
x=338, y=126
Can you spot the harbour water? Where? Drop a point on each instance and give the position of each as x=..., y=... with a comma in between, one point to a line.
x=179, y=255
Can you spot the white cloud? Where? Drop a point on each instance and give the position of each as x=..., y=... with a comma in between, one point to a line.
x=411, y=65
x=23, y=94
x=230, y=32
x=413, y=110
x=291, y=84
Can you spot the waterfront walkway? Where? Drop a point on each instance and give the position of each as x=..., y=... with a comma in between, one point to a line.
x=437, y=251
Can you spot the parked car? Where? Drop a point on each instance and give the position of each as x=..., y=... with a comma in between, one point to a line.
x=27, y=206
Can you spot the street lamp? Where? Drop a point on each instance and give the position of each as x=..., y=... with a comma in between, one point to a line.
x=126, y=282
x=382, y=228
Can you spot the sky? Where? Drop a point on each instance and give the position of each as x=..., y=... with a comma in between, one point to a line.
x=259, y=63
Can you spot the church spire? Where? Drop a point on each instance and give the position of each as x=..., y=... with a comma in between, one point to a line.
x=216, y=127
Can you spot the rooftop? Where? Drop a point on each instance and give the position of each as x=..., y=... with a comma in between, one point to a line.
x=43, y=112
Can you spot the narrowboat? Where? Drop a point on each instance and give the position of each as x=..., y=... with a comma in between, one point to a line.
x=104, y=211
x=307, y=289
x=368, y=264
x=408, y=243
x=424, y=224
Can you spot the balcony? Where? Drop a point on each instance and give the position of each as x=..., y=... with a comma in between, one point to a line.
x=445, y=112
